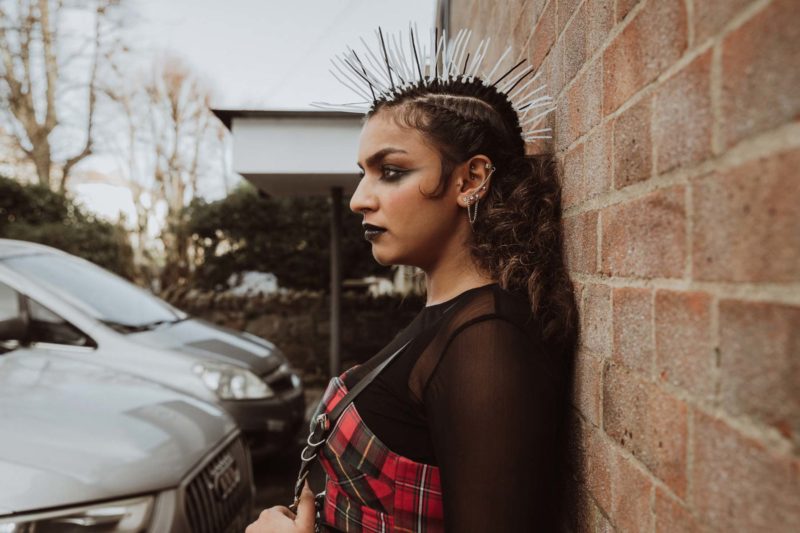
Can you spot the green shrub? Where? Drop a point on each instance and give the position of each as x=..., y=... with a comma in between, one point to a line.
x=289, y=237
x=37, y=214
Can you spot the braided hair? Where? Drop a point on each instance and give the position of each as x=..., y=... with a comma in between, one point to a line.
x=517, y=236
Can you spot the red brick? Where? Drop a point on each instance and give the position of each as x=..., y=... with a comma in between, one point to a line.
x=581, y=109
x=672, y=515
x=682, y=117
x=645, y=237
x=684, y=352
x=553, y=68
x=587, y=168
x=597, y=156
x=500, y=27
x=618, y=487
x=760, y=371
x=651, y=42
x=624, y=7
x=565, y=10
x=710, y=16
x=740, y=485
x=580, y=242
x=601, y=523
x=573, y=178
x=524, y=20
x=596, y=331
x=577, y=289
x=633, y=148
x=575, y=36
x=588, y=387
x=631, y=504
x=648, y=422
x=760, y=78
x=543, y=36
x=600, y=459
x=633, y=328
x=746, y=222
x=601, y=20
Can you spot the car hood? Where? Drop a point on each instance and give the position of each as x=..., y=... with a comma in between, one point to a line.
x=75, y=432
x=207, y=341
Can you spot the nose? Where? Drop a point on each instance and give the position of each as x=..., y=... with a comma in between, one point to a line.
x=363, y=199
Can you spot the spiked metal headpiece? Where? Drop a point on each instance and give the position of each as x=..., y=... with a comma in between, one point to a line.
x=395, y=67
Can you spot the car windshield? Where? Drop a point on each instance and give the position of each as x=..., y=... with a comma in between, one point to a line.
x=108, y=297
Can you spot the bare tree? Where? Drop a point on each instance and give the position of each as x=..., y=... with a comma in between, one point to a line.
x=42, y=65
x=172, y=143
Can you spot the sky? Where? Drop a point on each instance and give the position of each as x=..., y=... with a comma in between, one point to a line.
x=271, y=53
x=256, y=54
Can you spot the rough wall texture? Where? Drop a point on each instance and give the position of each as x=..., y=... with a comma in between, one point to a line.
x=677, y=128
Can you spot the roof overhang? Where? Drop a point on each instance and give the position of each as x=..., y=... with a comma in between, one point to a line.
x=295, y=153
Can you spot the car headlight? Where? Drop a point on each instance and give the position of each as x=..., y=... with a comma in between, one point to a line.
x=232, y=382
x=124, y=516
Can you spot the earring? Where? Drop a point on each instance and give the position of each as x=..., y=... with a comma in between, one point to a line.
x=473, y=199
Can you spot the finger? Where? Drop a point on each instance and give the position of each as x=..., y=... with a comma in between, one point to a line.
x=285, y=511
x=305, y=510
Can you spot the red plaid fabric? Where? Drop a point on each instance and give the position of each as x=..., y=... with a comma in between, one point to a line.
x=369, y=488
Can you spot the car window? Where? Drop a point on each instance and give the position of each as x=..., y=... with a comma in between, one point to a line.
x=46, y=326
x=106, y=296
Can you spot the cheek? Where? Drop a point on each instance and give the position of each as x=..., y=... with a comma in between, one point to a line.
x=407, y=207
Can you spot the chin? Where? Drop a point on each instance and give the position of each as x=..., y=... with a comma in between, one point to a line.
x=384, y=258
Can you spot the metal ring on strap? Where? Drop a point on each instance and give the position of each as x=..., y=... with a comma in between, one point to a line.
x=303, y=454
x=314, y=444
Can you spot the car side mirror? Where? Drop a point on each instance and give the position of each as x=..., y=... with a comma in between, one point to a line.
x=14, y=321
x=14, y=329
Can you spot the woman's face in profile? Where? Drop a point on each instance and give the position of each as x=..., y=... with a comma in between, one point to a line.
x=397, y=166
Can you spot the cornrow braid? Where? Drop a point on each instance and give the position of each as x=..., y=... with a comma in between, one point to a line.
x=517, y=237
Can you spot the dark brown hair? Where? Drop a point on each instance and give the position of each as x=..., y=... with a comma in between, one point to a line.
x=517, y=234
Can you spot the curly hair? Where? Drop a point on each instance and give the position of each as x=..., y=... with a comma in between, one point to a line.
x=518, y=234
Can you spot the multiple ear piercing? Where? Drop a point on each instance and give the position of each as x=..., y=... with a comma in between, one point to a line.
x=473, y=199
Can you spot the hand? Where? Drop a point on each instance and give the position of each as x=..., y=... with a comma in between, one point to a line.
x=280, y=519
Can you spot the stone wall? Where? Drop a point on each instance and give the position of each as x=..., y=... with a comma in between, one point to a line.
x=299, y=322
x=677, y=128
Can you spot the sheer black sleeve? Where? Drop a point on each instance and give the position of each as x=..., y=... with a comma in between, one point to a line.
x=491, y=409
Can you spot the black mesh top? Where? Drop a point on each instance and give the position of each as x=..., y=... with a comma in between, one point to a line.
x=477, y=394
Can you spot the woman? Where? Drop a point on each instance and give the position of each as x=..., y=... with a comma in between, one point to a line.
x=464, y=429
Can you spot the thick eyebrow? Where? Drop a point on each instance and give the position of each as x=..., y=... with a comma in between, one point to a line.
x=375, y=158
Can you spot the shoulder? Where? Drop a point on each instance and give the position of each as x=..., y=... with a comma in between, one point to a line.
x=491, y=324
x=489, y=344
x=495, y=309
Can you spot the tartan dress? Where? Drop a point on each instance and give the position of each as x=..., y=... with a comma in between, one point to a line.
x=369, y=488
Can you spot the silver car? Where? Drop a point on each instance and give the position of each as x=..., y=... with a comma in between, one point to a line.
x=95, y=316
x=84, y=447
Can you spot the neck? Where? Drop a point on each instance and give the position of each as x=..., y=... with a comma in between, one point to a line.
x=456, y=273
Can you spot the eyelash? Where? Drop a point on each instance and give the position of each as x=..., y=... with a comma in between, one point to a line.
x=396, y=173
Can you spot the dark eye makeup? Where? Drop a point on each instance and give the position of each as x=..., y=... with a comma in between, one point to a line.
x=388, y=173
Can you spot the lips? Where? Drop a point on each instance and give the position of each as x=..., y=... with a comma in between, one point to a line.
x=371, y=231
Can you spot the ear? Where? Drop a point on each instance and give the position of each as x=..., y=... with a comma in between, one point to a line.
x=474, y=179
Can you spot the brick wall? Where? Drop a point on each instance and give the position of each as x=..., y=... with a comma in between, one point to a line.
x=677, y=128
